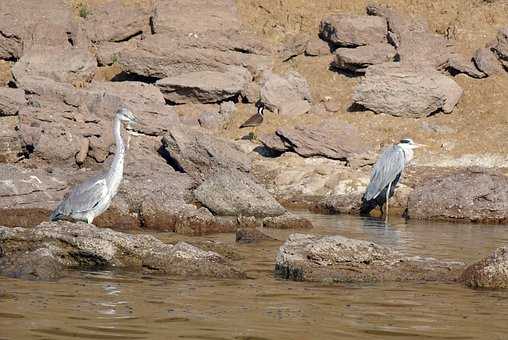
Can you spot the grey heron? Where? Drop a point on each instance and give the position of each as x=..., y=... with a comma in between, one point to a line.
x=386, y=174
x=93, y=196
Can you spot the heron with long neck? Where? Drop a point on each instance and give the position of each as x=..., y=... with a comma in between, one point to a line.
x=92, y=197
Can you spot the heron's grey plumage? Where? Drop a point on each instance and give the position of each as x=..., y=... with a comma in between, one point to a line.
x=93, y=196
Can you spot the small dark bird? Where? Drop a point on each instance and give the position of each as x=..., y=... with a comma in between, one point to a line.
x=257, y=119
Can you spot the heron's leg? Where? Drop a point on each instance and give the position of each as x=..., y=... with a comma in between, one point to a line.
x=387, y=198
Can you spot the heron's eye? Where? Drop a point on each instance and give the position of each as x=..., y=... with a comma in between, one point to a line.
x=405, y=141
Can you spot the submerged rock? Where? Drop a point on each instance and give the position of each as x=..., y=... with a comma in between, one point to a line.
x=491, y=272
x=339, y=259
x=43, y=252
x=287, y=221
x=251, y=235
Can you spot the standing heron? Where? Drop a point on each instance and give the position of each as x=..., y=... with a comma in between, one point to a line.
x=386, y=174
x=92, y=197
x=256, y=119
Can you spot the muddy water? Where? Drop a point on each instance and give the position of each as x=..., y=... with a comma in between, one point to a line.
x=120, y=305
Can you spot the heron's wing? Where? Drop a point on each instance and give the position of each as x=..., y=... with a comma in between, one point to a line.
x=389, y=165
x=86, y=195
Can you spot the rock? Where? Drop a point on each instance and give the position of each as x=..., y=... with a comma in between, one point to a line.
x=461, y=64
x=215, y=120
x=65, y=245
x=204, y=86
x=108, y=52
x=79, y=66
x=352, y=31
x=11, y=100
x=233, y=193
x=33, y=24
x=200, y=154
x=491, y=272
x=172, y=54
x=343, y=140
x=248, y=222
x=316, y=48
x=119, y=216
x=406, y=91
x=293, y=45
x=11, y=146
x=273, y=142
x=5, y=73
x=250, y=235
x=289, y=95
x=196, y=222
x=195, y=16
x=501, y=47
x=339, y=259
x=358, y=59
x=287, y=221
x=473, y=195
x=487, y=62
x=117, y=21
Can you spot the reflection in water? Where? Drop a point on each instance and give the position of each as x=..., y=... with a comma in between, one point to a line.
x=122, y=305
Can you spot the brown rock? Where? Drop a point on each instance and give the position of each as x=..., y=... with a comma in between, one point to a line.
x=251, y=235
x=358, y=59
x=317, y=47
x=293, y=45
x=501, y=47
x=289, y=95
x=11, y=146
x=287, y=221
x=491, y=272
x=11, y=100
x=476, y=196
x=487, y=62
x=5, y=73
x=351, y=31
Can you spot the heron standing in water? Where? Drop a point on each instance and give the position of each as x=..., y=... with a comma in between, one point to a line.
x=386, y=174
x=92, y=197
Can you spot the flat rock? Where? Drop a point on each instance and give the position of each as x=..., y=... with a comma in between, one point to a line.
x=317, y=47
x=350, y=30
x=340, y=259
x=11, y=100
x=79, y=66
x=359, y=58
x=343, y=140
x=200, y=154
x=490, y=272
x=233, y=193
x=64, y=245
x=107, y=52
x=287, y=221
x=204, y=86
x=406, y=91
x=293, y=45
x=195, y=16
x=251, y=235
x=287, y=95
x=118, y=21
x=486, y=61
x=472, y=195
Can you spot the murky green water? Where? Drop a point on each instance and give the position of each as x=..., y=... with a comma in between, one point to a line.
x=111, y=305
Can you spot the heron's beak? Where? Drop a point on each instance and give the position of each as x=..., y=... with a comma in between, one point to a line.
x=421, y=145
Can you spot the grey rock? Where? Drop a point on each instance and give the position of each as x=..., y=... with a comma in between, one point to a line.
x=358, y=59
x=317, y=47
x=343, y=140
x=472, y=195
x=204, y=86
x=487, y=62
x=289, y=95
x=273, y=142
x=79, y=66
x=351, y=31
x=11, y=146
x=489, y=273
x=339, y=259
x=11, y=100
x=108, y=52
x=65, y=245
x=287, y=221
x=293, y=45
x=200, y=154
x=461, y=64
x=406, y=91
x=501, y=47
x=233, y=193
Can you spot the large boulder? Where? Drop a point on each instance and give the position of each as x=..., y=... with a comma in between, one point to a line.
x=195, y=16
x=352, y=31
x=287, y=95
x=43, y=252
x=490, y=272
x=200, y=154
x=11, y=100
x=205, y=86
x=68, y=65
x=477, y=196
x=233, y=193
x=406, y=91
x=340, y=259
x=343, y=141
x=358, y=59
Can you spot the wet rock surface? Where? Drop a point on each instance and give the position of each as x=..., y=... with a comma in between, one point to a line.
x=306, y=257
x=491, y=272
x=43, y=252
x=471, y=195
x=251, y=235
x=287, y=221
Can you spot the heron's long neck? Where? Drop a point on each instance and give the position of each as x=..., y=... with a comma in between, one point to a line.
x=408, y=154
x=115, y=173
